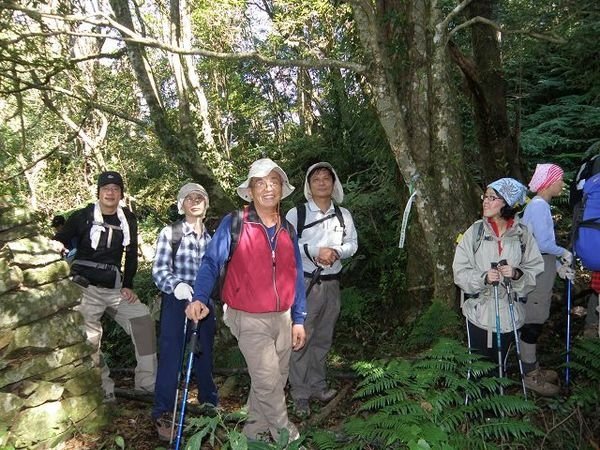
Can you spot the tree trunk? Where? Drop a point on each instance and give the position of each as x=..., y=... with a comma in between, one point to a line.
x=498, y=146
x=184, y=150
x=414, y=105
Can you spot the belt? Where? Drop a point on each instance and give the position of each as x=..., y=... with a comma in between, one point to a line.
x=328, y=277
x=95, y=265
x=520, y=299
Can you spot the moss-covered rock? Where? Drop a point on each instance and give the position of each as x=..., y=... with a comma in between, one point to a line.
x=33, y=251
x=10, y=277
x=38, y=364
x=24, y=306
x=60, y=330
x=46, y=274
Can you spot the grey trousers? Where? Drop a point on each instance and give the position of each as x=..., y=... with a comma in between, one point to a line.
x=265, y=340
x=134, y=318
x=308, y=365
x=591, y=319
x=537, y=308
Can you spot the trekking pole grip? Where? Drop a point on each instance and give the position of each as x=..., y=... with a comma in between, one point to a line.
x=494, y=266
x=194, y=342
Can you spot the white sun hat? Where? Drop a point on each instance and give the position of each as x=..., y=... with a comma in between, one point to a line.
x=261, y=168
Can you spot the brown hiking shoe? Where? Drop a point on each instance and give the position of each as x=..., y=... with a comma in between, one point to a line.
x=551, y=376
x=325, y=396
x=536, y=382
x=301, y=408
x=164, y=426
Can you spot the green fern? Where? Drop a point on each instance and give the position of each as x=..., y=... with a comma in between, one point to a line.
x=577, y=415
x=422, y=404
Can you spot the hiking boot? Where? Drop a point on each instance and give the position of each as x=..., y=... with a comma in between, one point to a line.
x=326, y=395
x=590, y=331
x=109, y=397
x=164, y=426
x=301, y=408
x=549, y=375
x=536, y=382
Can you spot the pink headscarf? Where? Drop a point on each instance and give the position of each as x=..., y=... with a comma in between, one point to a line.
x=544, y=176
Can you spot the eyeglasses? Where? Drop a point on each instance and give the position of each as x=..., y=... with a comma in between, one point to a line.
x=261, y=183
x=194, y=199
x=490, y=198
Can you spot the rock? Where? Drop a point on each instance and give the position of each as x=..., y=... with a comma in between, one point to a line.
x=46, y=274
x=60, y=330
x=28, y=305
x=32, y=252
x=43, y=392
x=10, y=278
x=36, y=365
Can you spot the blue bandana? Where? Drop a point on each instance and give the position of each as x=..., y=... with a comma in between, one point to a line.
x=512, y=191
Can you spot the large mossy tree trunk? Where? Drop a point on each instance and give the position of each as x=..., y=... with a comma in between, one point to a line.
x=411, y=89
x=49, y=387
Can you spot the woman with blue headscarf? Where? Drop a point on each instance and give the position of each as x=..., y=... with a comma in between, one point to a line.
x=496, y=239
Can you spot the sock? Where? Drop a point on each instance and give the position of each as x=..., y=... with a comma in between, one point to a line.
x=528, y=356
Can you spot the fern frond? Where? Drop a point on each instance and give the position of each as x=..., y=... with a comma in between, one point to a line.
x=393, y=396
x=505, y=428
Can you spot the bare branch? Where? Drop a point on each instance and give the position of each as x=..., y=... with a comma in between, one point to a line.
x=104, y=107
x=101, y=19
x=442, y=27
x=544, y=37
x=68, y=139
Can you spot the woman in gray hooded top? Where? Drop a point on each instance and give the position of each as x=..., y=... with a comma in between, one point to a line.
x=496, y=238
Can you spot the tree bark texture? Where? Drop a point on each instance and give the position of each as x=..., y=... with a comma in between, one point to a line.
x=414, y=103
x=180, y=144
x=484, y=77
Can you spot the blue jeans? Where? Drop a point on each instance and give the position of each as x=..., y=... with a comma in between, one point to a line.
x=170, y=344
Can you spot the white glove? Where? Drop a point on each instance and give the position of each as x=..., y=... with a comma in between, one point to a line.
x=565, y=272
x=566, y=258
x=183, y=291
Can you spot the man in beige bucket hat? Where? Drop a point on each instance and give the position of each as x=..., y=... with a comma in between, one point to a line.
x=263, y=290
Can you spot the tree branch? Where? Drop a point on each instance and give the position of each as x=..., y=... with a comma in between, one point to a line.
x=87, y=101
x=101, y=19
x=544, y=37
x=69, y=138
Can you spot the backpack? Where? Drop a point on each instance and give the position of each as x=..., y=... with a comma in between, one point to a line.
x=479, y=237
x=301, y=226
x=586, y=225
x=589, y=167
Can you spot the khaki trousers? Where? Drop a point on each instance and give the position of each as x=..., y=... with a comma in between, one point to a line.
x=265, y=340
x=134, y=318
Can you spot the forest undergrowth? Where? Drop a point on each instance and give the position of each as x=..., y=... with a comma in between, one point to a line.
x=400, y=387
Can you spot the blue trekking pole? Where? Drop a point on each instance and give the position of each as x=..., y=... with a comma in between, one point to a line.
x=511, y=306
x=181, y=358
x=498, y=337
x=194, y=349
x=568, y=332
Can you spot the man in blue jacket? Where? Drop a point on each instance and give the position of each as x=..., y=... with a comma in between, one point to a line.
x=263, y=291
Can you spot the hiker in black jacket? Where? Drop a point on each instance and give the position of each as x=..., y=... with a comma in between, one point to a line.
x=104, y=231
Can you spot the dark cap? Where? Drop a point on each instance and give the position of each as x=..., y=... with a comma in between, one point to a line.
x=110, y=177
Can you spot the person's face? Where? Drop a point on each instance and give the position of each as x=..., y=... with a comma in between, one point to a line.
x=109, y=196
x=492, y=204
x=266, y=191
x=321, y=184
x=194, y=205
x=556, y=188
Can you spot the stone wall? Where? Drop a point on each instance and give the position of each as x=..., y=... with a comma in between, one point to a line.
x=49, y=388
